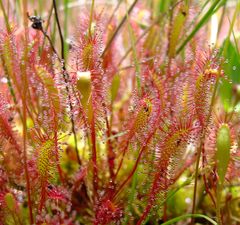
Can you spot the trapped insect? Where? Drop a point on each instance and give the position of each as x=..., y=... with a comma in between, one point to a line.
x=36, y=22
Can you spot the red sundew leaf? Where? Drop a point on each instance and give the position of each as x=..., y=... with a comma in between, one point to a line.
x=45, y=153
x=10, y=56
x=6, y=130
x=137, y=123
x=56, y=193
x=2, y=194
x=49, y=84
x=171, y=140
x=139, y=117
x=107, y=212
x=81, y=174
x=79, y=177
x=86, y=57
x=205, y=75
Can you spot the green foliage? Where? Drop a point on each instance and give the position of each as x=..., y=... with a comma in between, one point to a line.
x=231, y=69
x=200, y=24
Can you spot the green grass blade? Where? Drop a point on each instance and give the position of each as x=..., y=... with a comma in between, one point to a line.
x=5, y=17
x=136, y=62
x=65, y=27
x=236, y=45
x=131, y=196
x=179, y=218
x=118, y=28
x=222, y=3
x=231, y=54
x=232, y=22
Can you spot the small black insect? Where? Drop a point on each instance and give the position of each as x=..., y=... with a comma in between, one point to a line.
x=36, y=22
x=184, y=13
x=50, y=187
x=10, y=119
x=178, y=142
x=146, y=109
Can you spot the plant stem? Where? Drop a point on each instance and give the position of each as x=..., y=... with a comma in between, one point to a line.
x=122, y=158
x=221, y=21
x=114, y=11
x=91, y=19
x=202, y=146
x=51, y=44
x=111, y=154
x=25, y=163
x=131, y=196
x=56, y=148
x=66, y=14
x=66, y=79
x=118, y=28
x=46, y=28
x=24, y=90
x=155, y=22
x=136, y=62
x=131, y=173
x=135, y=165
x=5, y=17
x=218, y=204
x=60, y=32
x=94, y=158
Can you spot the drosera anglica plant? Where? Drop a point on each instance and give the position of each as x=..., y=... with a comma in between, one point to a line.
x=123, y=126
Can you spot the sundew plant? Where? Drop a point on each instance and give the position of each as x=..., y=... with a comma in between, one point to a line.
x=119, y=112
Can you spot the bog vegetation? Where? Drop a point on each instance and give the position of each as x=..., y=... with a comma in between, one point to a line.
x=119, y=112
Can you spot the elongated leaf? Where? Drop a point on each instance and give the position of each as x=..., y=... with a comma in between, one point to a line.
x=179, y=218
x=44, y=154
x=49, y=84
x=223, y=151
x=177, y=27
x=136, y=62
x=115, y=87
x=231, y=70
x=204, y=19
